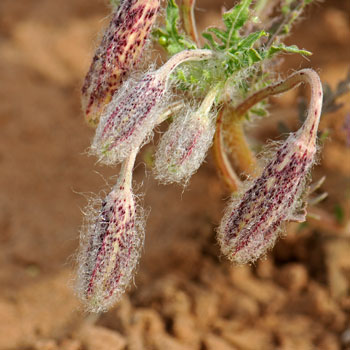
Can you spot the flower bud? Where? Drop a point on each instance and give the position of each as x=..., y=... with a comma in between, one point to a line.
x=133, y=112
x=184, y=146
x=251, y=224
x=110, y=248
x=119, y=51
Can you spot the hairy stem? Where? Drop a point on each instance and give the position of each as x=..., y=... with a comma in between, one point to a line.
x=173, y=108
x=226, y=171
x=189, y=19
x=308, y=76
x=209, y=100
x=310, y=126
x=125, y=175
x=183, y=56
x=236, y=143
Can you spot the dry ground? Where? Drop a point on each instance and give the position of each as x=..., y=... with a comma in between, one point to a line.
x=187, y=297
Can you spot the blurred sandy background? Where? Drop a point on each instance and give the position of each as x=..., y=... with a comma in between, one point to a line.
x=186, y=296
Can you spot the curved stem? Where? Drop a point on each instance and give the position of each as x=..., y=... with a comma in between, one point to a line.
x=239, y=148
x=125, y=175
x=189, y=19
x=173, y=108
x=303, y=76
x=209, y=100
x=309, y=128
x=226, y=171
x=204, y=108
x=183, y=56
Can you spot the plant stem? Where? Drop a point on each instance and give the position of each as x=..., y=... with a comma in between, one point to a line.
x=226, y=171
x=174, y=107
x=125, y=175
x=309, y=127
x=189, y=19
x=303, y=76
x=237, y=144
x=183, y=56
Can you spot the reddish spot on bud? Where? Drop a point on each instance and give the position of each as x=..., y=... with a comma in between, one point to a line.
x=133, y=113
x=119, y=51
x=183, y=147
x=110, y=249
x=250, y=225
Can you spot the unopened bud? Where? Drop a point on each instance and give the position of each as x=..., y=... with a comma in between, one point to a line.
x=251, y=224
x=110, y=247
x=119, y=51
x=183, y=147
x=132, y=114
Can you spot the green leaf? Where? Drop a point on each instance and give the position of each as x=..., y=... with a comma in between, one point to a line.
x=254, y=55
x=174, y=48
x=339, y=213
x=212, y=43
x=251, y=39
x=186, y=43
x=220, y=34
x=237, y=16
x=234, y=20
x=238, y=50
x=169, y=36
x=172, y=18
x=287, y=49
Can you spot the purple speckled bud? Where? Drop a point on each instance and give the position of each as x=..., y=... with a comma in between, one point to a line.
x=251, y=223
x=183, y=147
x=110, y=246
x=133, y=112
x=119, y=51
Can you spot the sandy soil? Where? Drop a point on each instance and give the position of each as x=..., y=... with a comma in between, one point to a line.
x=185, y=296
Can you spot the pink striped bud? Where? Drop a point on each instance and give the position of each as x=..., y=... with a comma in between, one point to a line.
x=183, y=148
x=110, y=246
x=132, y=114
x=119, y=51
x=251, y=224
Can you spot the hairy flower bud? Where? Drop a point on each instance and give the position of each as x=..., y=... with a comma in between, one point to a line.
x=110, y=246
x=119, y=51
x=251, y=223
x=133, y=112
x=184, y=145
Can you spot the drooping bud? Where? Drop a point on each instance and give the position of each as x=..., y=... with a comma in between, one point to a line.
x=110, y=246
x=120, y=49
x=133, y=112
x=184, y=145
x=251, y=224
